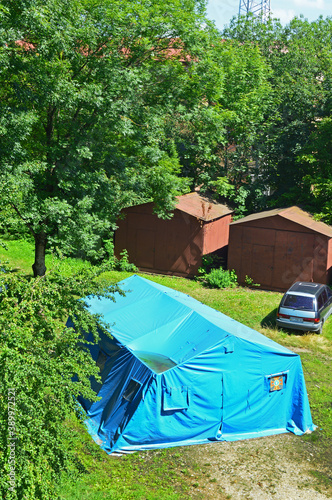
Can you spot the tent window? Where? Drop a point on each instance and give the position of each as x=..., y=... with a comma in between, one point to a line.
x=131, y=390
x=175, y=398
x=276, y=382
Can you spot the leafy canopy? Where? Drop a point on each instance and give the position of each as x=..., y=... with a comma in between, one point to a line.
x=43, y=368
x=287, y=144
x=86, y=92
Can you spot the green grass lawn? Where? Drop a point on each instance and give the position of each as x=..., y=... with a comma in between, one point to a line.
x=165, y=471
x=20, y=256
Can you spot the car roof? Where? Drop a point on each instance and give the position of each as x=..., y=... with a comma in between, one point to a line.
x=306, y=287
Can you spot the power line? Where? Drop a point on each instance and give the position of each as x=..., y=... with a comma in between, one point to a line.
x=260, y=8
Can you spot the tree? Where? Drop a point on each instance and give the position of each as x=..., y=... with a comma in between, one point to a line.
x=300, y=71
x=43, y=368
x=86, y=91
x=299, y=56
x=246, y=100
x=315, y=160
x=215, y=136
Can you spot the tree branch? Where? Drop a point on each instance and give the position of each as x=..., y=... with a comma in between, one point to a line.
x=29, y=226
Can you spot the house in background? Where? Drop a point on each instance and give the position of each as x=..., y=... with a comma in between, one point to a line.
x=278, y=247
x=199, y=226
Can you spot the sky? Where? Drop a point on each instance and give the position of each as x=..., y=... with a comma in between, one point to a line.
x=221, y=11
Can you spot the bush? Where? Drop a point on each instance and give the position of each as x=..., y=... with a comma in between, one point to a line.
x=220, y=278
x=250, y=282
x=43, y=368
x=209, y=262
x=115, y=264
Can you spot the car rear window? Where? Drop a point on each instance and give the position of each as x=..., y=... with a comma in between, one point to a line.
x=299, y=302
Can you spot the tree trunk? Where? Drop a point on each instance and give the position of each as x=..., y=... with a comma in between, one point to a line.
x=39, y=268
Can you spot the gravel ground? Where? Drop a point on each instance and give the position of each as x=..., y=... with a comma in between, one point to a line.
x=282, y=467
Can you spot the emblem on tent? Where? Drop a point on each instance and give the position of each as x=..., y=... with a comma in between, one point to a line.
x=276, y=383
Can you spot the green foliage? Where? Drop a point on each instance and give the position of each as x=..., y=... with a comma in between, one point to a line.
x=212, y=275
x=301, y=78
x=250, y=282
x=220, y=278
x=18, y=254
x=223, y=187
x=215, y=140
x=274, y=166
x=109, y=249
x=135, y=102
x=149, y=475
x=209, y=262
x=39, y=357
x=115, y=264
x=124, y=264
x=316, y=159
x=86, y=97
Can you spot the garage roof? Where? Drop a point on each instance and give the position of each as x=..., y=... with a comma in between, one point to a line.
x=201, y=207
x=294, y=214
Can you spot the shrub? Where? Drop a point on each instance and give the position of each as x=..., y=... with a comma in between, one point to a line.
x=115, y=264
x=220, y=278
x=209, y=262
x=250, y=282
x=43, y=368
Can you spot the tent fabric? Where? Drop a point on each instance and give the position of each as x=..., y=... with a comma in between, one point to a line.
x=178, y=372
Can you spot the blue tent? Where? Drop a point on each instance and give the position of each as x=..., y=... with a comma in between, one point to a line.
x=178, y=372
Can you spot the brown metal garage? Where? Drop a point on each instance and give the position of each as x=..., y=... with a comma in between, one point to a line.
x=278, y=247
x=199, y=226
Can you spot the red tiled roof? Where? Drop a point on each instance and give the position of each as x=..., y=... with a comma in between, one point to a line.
x=25, y=45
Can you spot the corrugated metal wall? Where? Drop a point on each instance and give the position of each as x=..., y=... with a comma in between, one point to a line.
x=169, y=246
x=275, y=253
x=173, y=246
x=216, y=234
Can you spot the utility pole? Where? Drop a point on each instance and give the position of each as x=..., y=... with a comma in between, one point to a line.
x=260, y=8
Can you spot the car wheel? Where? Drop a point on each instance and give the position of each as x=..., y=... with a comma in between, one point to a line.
x=321, y=327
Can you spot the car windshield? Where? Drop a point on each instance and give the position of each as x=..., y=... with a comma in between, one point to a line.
x=299, y=302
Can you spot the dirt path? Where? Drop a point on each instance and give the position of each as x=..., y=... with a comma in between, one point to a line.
x=280, y=467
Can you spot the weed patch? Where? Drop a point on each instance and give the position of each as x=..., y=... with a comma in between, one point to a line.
x=146, y=475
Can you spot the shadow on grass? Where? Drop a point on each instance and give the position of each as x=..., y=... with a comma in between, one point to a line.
x=270, y=322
